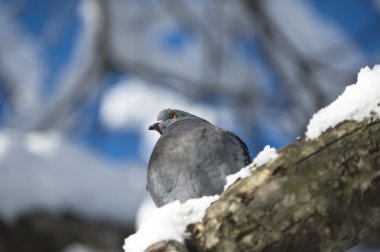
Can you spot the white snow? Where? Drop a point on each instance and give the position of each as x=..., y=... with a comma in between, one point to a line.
x=358, y=101
x=168, y=223
x=65, y=179
x=42, y=144
x=264, y=156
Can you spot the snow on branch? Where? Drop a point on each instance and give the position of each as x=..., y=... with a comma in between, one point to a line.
x=168, y=223
x=358, y=101
x=267, y=154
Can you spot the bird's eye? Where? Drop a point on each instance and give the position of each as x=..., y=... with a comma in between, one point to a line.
x=173, y=116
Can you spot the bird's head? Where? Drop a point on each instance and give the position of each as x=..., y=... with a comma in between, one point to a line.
x=168, y=116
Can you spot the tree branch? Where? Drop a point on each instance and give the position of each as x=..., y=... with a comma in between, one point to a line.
x=81, y=77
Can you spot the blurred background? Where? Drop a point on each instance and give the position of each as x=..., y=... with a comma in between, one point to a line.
x=81, y=81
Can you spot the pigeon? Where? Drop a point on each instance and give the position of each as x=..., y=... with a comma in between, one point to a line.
x=191, y=158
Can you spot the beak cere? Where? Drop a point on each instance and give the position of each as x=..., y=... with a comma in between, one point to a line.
x=156, y=127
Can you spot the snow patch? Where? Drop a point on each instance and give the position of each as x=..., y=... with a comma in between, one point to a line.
x=264, y=156
x=42, y=144
x=358, y=101
x=168, y=223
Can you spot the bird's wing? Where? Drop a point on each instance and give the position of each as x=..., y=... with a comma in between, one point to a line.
x=239, y=149
x=218, y=153
x=211, y=161
x=170, y=169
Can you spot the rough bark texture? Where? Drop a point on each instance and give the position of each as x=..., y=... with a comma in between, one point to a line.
x=318, y=195
x=167, y=246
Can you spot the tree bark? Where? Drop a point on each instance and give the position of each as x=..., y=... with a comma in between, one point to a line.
x=318, y=195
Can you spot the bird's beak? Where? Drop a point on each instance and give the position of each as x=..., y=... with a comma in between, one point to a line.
x=156, y=126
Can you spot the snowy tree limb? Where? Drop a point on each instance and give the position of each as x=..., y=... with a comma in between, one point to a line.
x=318, y=195
x=89, y=64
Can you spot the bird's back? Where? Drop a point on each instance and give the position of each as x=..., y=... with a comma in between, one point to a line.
x=191, y=159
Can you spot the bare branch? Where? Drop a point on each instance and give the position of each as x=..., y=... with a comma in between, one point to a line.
x=84, y=75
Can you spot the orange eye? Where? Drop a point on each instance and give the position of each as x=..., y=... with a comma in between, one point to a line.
x=173, y=116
